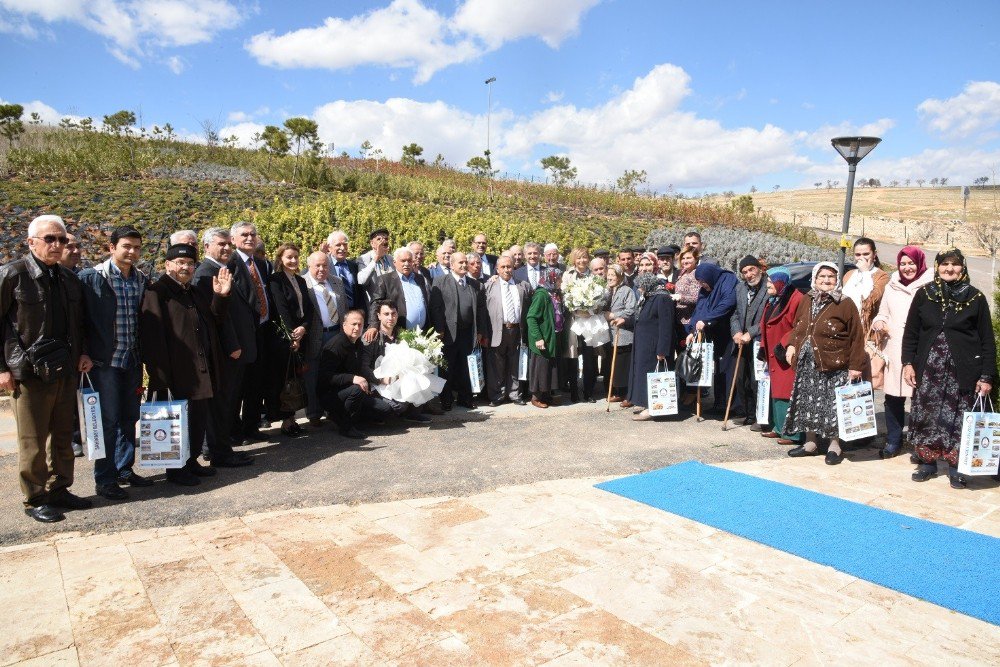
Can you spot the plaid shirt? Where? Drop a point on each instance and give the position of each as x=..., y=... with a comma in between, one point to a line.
x=126, y=313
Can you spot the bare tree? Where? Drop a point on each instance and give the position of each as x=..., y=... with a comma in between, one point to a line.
x=211, y=131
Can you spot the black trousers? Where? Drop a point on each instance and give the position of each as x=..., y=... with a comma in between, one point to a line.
x=570, y=370
x=349, y=404
x=745, y=396
x=457, y=373
x=256, y=381
x=502, y=377
x=234, y=372
x=199, y=415
x=220, y=445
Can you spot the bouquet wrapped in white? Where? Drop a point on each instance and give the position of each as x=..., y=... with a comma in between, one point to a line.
x=584, y=297
x=412, y=365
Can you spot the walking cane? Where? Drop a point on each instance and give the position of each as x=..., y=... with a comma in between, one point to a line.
x=697, y=390
x=732, y=389
x=614, y=357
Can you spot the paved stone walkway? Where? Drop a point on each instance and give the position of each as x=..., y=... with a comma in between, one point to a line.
x=556, y=573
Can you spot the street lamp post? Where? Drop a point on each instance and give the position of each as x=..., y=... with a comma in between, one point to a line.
x=489, y=109
x=852, y=149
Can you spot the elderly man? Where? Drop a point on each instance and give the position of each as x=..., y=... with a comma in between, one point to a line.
x=475, y=267
x=744, y=326
x=531, y=272
x=404, y=288
x=338, y=247
x=506, y=308
x=376, y=262
x=488, y=261
x=112, y=292
x=41, y=302
x=517, y=255
x=459, y=315
x=188, y=236
x=178, y=330
x=71, y=253
x=599, y=267
x=345, y=389
x=236, y=334
x=417, y=248
x=442, y=266
x=665, y=254
x=330, y=306
x=250, y=310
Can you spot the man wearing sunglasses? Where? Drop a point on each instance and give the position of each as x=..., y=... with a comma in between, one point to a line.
x=42, y=301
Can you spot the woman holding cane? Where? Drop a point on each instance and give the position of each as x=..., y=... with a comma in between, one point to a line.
x=949, y=357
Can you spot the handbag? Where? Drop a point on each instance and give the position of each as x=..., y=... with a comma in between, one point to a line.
x=293, y=392
x=876, y=358
x=689, y=363
x=49, y=358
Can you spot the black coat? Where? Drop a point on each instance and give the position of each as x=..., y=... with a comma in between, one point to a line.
x=444, y=308
x=244, y=308
x=286, y=303
x=388, y=287
x=969, y=333
x=358, y=294
x=654, y=330
x=339, y=361
x=203, y=275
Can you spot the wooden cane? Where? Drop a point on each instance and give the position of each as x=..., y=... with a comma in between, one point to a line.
x=614, y=357
x=732, y=388
x=697, y=390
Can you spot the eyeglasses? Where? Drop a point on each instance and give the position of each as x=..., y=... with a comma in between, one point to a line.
x=52, y=239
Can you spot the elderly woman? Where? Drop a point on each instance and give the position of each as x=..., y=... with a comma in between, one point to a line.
x=648, y=263
x=776, y=327
x=544, y=325
x=653, y=341
x=574, y=345
x=621, y=315
x=949, y=356
x=827, y=348
x=889, y=323
x=716, y=303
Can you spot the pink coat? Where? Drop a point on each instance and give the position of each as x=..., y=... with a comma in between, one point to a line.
x=892, y=311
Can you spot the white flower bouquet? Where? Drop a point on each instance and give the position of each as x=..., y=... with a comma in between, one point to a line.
x=427, y=343
x=584, y=296
x=412, y=365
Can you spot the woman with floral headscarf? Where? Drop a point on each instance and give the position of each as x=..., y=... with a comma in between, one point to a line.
x=827, y=348
x=949, y=356
x=776, y=328
x=911, y=276
x=648, y=263
x=653, y=338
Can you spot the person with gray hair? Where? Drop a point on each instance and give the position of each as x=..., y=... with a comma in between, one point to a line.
x=406, y=289
x=338, y=248
x=517, y=256
x=442, y=266
x=188, y=236
x=531, y=271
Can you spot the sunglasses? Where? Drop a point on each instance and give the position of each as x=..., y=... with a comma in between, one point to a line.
x=52, y=239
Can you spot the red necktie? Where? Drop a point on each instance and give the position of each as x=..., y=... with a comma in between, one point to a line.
x=261, y=297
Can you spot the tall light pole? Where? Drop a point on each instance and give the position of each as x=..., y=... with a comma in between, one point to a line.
x=852, y=149
x=489, y=109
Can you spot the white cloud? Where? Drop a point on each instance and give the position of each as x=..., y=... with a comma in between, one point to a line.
x=409, y=34
x=553, y=96
x=176, y=64
x=960, y=165
x=821, y=137
x=132, y=27
x=243, y=131
x=976, y=109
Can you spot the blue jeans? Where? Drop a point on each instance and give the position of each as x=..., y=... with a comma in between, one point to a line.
x=895, y=414
x=118, y=388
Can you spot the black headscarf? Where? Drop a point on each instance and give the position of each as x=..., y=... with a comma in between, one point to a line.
x=954, y=295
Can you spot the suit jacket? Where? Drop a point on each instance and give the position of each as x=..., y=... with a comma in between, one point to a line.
x=173, y=343
x=369, y=269
x=494, y=309
x=492, y=259
x=521, y=275
x=444, y=308
x=286, y=303
x=388, y=287
x=747, y=316
x=339, y=361
x=245, y=293
x=426, y=273
x=436, y=270
x=202, y=281
x=357, y=292
x=314, y=337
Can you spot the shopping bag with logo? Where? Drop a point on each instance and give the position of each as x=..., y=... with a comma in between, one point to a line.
x=764, y=399
x=163, y=434
x=661, y=391
x=477, y=374
x=88, y=403
x=522, y=363
x=759, y=365
x=979, y=450
x=855, y=405
x=707, y=365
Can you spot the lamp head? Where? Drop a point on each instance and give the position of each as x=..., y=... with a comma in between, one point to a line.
x=854, y=149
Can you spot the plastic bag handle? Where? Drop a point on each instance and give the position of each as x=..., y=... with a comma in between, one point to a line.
x=658, y=362
x=85, y=375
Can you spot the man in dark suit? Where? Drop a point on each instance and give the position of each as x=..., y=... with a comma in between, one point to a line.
x=345, y=388
x=403, y=287
x=251, y=300
x=443, y=264
x=506, y=308
x=330, y=306
x=489, y=261
x=665, y=254
x=337, y=245
x=417, y=248
x=531, y=272
x=218, y=251
x=459, y=315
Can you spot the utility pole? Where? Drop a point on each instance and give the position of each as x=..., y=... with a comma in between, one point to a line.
x=489, y=110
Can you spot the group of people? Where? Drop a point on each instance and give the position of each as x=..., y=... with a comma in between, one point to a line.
x=236, y=335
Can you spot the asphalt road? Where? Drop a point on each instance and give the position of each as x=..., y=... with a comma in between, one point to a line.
x=460, y=453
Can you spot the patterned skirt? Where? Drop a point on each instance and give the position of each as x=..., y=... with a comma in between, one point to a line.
x=813, y=405
x=938, y=406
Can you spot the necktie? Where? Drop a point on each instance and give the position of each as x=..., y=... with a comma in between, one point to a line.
x=509, y=316
x=259, y=286
x=331, y=307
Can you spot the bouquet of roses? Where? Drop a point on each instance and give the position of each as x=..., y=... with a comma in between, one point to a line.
x=410, y=365
x=585, y=293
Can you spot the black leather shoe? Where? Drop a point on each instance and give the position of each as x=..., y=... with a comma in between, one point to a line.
x=417, y=419
x=924, y=472
x=69, y=501
x=182, y=477
x=235, y=460
x=494, y=404
x=44, y=513
x=199, y=470
x=352, y=433
x=520, y=401
x=445, y=406
x=132, y=479
x=833, y=458
x=749, y=421
x=111, y=492
x=290, y=432
x=887, y=453
x=254, y=436
x=958, y=481
x=796, y=452
x=468, y=405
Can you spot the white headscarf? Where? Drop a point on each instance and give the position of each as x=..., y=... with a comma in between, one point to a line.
x=860, y=285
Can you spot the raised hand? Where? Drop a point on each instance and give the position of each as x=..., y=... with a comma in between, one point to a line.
x=223, y=282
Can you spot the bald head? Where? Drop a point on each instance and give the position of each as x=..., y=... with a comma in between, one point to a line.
x=318, y=265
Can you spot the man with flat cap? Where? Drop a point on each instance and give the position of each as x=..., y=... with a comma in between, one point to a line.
x=744, y=327
x=179, y=343
x=601, y=253
x=376, y=262
x=666, y=254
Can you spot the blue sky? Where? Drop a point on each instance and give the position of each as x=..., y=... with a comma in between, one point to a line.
x=703, y=96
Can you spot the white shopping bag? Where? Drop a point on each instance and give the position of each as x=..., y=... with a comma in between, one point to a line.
x=707, y=364
x=522, y=363
x=163, y=434
x=661, y=392
x=88, y=404
x=764, y=399
x=477, y=374
x=979, y=449
x=759, y=367
x=855, y=405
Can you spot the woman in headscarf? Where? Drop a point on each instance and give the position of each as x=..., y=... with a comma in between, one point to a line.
x=949, y=356
x=716, y=303
x=776, y=328
x=653, y=341
x=544, y=324
x=621, y=317
x=827, y=348
x=889, y=323
x=648, y=263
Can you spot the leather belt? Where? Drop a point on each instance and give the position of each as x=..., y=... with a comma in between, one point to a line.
x=511, y=325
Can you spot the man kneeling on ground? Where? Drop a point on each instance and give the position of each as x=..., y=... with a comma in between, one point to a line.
x=388, y=317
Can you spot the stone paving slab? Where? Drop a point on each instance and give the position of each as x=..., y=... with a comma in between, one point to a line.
x=554, y=573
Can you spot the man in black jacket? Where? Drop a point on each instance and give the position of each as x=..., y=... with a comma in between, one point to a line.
x=337, y=247
x=387, y=318
x=345, y=385
x=38, y=297
x=458, y=313
x=405, y=288
x=744, y=327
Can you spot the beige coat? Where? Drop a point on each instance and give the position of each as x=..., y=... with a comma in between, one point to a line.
x=893, y=310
